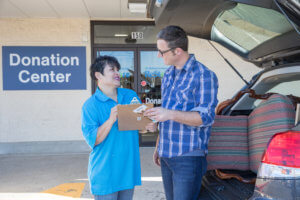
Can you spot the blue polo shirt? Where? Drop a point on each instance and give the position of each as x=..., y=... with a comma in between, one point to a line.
x=114, y=164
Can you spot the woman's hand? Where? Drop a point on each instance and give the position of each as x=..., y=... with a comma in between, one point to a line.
x=152, y=127
x=113, y=114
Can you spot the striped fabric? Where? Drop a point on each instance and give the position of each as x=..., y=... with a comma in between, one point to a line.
x=228, y=145
x=274, y=115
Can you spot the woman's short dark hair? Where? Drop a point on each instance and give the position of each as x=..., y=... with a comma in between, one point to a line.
x=100, y=63
x=175, y=36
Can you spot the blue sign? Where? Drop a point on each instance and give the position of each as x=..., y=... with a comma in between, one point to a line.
x=44, y=68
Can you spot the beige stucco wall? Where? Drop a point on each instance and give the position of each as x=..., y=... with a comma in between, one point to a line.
x=229, y=81
x=47, y=115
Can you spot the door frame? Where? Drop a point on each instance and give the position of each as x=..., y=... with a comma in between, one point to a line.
x=137, y=76
x=120, y=47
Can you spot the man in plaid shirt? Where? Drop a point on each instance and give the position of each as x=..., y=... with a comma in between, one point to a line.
x=189, y=97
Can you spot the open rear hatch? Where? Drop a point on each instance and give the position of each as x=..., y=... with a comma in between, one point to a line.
x=264, y=32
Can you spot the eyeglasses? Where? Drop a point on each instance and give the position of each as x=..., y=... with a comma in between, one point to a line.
x=165, y=51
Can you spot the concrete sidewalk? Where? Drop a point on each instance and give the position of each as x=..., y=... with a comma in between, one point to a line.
x=28, y=176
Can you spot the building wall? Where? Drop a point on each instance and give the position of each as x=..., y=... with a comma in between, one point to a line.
x=42, y=115
x=49, y=120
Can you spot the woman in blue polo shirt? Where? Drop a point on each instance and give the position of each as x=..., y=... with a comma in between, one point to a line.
x=114, y=163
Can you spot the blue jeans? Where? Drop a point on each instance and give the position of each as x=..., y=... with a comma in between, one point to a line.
x=120, y=195
x=182, y=176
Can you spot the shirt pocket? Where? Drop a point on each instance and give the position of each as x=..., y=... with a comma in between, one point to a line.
x=185, y=95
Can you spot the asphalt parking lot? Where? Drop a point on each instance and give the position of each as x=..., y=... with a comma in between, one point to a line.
x=64, y=177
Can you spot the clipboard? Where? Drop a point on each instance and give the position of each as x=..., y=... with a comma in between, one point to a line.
x=130, y=116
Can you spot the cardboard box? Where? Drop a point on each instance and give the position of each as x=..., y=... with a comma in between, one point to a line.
x=130, y=117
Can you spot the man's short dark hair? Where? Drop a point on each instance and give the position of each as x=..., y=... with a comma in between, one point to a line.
x=175, y=36
x=100, y=63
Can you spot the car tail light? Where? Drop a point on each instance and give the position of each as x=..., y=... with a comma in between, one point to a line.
x=282, y=156
x=284, y=150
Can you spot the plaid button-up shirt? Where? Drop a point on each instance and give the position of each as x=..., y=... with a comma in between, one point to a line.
x=193, y=88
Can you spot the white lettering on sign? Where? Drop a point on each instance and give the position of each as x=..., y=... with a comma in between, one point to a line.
x=54, y=60
x=153, y=101
x=25, y=77
x=137, y=35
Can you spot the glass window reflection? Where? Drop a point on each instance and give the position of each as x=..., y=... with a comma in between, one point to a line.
x=152, y=72
x=126, y=60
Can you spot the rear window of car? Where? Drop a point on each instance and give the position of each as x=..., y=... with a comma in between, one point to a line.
x=285, y=88
x=248, y=26
x=285, y=81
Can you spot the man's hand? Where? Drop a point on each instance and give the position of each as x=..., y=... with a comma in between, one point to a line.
x=156, y=158
x=158, y=114
x=113, y=114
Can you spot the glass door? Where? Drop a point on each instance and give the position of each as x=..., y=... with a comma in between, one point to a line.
x=151, y=72
x=141, y=71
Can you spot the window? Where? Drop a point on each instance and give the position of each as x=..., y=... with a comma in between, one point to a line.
x=285, y=88
x=123, y=34
x=248, y=26
x=284, y=81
